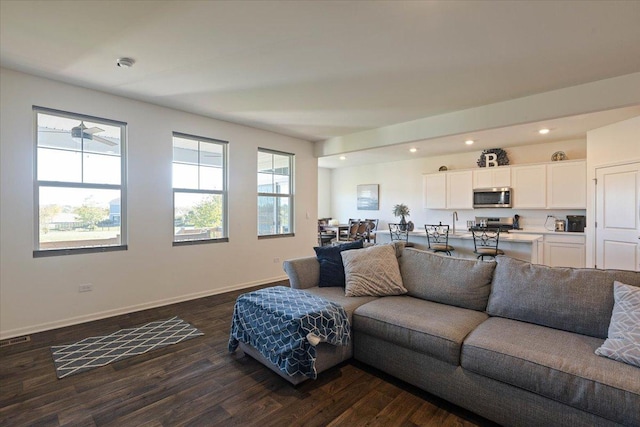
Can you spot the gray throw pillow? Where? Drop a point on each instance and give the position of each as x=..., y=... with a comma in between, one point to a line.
x=571, y=299
x=372, y=271
x=396, y=245
x=448, y=280
x=623, y=342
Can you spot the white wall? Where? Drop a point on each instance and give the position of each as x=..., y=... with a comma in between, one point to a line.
x=401, y=182
x=611, y=145
x=324, y=193
x=601, y=95
x=42, y=293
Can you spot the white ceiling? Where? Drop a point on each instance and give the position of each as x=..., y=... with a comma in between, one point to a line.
x=320, y=69
x=562, y=129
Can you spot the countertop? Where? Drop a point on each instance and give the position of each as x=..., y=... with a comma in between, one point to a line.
x=545, y=231
x=511, y=236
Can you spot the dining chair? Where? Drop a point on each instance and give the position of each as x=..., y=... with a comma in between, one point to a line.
x=438, y=238
x=373, y=226
x=346, y=235
x=352, y=233
x=399, y=233
x=325, y=237
x=363, y=230
x=485, y=242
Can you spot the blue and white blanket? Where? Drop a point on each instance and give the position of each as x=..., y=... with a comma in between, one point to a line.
x=285, y=324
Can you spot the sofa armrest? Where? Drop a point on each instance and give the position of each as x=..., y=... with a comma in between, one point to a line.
x=303, y=272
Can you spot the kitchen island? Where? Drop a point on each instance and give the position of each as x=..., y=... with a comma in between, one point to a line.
x=526, y=247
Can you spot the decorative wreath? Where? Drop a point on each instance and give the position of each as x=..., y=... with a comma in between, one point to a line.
x=501, y=155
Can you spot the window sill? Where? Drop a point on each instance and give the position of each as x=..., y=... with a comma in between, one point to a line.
x=276, y=236
x=76, y=251
x=200, y=242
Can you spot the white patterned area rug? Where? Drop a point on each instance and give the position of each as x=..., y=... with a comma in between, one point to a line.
x=99, y=351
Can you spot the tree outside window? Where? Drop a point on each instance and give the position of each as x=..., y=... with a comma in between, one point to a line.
x=199, y=189
x=80, y=171
x=275, y=193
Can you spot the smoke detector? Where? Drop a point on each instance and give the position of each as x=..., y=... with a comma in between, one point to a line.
x=125, y=62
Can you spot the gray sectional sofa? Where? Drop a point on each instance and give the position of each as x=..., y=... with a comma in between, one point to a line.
x=508, y=340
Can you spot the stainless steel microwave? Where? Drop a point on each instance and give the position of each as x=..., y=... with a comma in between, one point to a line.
x=492, y=197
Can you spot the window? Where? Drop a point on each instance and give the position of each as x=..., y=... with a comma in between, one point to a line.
x=80, y=190
x=275, y=193
x=199, y=190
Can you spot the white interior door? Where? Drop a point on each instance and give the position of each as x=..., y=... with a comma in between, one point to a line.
x=618, y=217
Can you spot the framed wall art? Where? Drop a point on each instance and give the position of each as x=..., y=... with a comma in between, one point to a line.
x=368, y=197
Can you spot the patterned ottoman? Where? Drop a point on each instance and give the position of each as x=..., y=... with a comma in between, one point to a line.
x=288, y=330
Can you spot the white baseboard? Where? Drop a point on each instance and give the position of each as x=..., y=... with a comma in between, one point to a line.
x=12, y=333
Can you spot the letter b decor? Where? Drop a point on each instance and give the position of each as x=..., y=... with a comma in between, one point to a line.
x=493, y=157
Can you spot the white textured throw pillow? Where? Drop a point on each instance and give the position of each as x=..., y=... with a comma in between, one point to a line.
x=372, y=271
x=623, y=342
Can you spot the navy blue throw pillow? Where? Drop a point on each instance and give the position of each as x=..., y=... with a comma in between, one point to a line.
x=331, y=267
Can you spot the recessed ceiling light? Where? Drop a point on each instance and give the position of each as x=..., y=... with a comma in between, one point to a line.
x=343, y=158
x=469, y=141
x=543, y=131
x=413, y=149
x=125, y=62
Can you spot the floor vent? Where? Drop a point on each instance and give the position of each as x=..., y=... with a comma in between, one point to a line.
x=14, y=341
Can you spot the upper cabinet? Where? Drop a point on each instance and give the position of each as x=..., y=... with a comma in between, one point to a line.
x=529, y=185
x=448, y=190
x=557, y=185
x=435, y=191
x=567, y=185
x=460, y=190
x=492, y=177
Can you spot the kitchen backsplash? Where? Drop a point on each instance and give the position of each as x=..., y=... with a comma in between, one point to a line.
x=528, y=218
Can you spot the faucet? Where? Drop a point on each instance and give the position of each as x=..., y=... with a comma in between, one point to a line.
x=455, y=218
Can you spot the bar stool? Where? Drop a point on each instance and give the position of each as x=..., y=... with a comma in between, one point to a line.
x=438, y=238
x=485, y=242
x=399, y=233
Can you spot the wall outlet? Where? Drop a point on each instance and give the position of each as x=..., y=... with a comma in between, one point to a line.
x=86, y=287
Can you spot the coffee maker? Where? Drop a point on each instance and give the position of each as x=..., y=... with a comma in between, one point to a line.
x=576, y=223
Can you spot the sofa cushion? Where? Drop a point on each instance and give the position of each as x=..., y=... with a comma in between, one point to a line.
x=302, y=272
x=427, y=327
x=623, y=341
x=572, y=299
x=556, y=364
x=372, y=271
x=331, y=267
x=455, y=281
x=336, y=295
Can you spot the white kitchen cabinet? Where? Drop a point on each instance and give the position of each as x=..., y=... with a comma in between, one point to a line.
x=564, y=250
x=567, y=185
x=492, y=177
x=556, y=185
x=460, y=190
x=448, y=190
x=529, y=184
x=435, y=191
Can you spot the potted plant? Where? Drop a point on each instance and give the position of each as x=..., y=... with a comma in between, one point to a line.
x=402, y=211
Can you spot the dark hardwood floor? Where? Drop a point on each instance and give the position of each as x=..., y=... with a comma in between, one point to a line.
x=198, y=383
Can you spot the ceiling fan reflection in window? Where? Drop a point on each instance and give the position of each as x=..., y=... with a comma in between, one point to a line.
x=83, y=132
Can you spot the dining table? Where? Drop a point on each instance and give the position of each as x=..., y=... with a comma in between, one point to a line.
x=338, y=229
